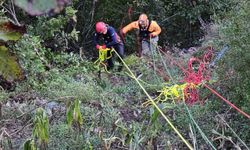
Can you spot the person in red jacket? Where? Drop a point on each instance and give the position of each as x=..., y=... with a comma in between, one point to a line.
x=109, y=38
x=148, y=33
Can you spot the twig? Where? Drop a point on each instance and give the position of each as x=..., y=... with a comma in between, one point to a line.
x=27, y=125
x=233, y=131
x=4, y=132
x=31, y=110
x=2, y=89
x=41, y=58
x=92, y=12
x=1, y=114
x=12, y=12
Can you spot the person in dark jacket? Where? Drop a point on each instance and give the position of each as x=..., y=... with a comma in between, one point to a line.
x=106, y=37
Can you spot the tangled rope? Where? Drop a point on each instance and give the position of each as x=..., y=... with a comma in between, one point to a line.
x=195, y=76
x=200, y=77
x=103, y=56
x=174, y=93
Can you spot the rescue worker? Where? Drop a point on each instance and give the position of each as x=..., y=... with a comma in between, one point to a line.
x=148, y=34
x=107, y=37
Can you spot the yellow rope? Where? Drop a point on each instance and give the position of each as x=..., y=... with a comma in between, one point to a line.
x=152, y=101
x=103, y=54
x=173, y=92
x=102, y=57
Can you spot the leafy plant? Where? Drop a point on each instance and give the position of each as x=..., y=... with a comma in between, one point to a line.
x=29, y=145
x=73, y=114
x=10, y=69
x=41, y=128
x=233, y=68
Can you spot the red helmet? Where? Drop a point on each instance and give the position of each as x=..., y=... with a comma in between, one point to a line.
x=100, y=27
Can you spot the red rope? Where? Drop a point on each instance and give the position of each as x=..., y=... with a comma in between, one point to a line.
x=228, y=102
x=192, y=77
x=202, y=74
x=190, y=94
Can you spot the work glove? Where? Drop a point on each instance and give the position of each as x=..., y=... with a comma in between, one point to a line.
x=100, y=47
x=97, y=46
x=103, y=47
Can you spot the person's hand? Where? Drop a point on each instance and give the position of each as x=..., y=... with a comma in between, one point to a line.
x=97, y=46
x=151, y=35
x=103, y=47
x=138, y=54
x=100, y=47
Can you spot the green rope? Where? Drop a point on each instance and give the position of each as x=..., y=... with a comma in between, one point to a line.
x=154, y=55
x=164, y=116
x=199, y=129
x=190, y=116
x=165, y=66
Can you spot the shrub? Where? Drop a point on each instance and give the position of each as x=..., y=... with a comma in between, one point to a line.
x=234, y=31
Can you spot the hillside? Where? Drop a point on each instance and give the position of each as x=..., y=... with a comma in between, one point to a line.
x=191, y=92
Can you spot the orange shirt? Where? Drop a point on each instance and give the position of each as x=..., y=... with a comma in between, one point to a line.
x=154, y=28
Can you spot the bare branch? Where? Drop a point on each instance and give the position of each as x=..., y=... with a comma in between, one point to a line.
x=11, y=10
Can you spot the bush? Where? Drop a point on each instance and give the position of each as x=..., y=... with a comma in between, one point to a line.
x=234, y=31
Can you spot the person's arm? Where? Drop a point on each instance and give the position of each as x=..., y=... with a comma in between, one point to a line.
x=113, y=35
x=132, y=25
x=124, y=30
x=155, y=28
x=96, y=41
x=96, y=37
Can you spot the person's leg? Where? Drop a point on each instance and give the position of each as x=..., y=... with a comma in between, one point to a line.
x=153, y=49
x=138, y=45
x=154, y=43
x=120, y=50
x=145, y=47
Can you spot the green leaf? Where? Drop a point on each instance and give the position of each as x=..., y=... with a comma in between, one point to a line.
x=155, y=116
x=10, y=70
x=10, y=32
x=29, y=145
x=77, y=112
x=41, y=126
x=69, y=115
x=13, y=36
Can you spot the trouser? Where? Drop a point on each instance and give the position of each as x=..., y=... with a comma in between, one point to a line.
x=148, y=46
x=119, y=48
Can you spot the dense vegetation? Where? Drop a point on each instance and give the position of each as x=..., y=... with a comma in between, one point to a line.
x=51, y=96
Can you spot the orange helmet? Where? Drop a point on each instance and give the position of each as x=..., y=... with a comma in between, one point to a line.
x=100, y=27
